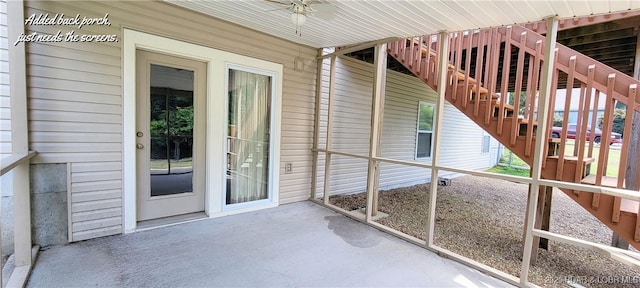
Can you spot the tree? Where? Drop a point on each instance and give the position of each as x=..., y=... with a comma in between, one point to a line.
x=426, y=118
x=619, y=116
x=523, y=100
x=181, y=120
x=557, y=121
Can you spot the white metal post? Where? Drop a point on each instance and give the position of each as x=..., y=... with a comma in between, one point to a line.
x=437, y=130
x=377, y=110
x=541, y=141
x=327, y=156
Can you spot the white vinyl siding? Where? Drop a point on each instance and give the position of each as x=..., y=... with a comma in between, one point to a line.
x=460, y=142
x=75, y=100
x=5, y=101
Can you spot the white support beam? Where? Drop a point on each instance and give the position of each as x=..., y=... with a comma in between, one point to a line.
x=358, y=47
x=327, y=156
x=536, y=169
x=377, y=111
x=437, y=131
x=19, y=134
x=316, y=126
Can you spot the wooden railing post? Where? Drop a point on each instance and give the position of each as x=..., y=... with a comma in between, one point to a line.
x=467, y=70
x=518, y=87
x=531, y=95
x=506, y=69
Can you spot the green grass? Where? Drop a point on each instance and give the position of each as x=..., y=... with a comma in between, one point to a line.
x=509, y=171
x=515, y=160
x=612, y=163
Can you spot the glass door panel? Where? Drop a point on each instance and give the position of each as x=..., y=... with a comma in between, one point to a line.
x=171, y=130
x=249, y=120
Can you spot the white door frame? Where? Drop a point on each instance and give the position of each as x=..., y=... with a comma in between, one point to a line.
x=216, y=61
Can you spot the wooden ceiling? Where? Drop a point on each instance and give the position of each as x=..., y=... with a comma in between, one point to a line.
x=612, y=43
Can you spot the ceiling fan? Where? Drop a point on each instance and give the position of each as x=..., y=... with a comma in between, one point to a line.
x=301, y=9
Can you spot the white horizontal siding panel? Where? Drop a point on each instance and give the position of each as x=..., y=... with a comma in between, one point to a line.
x=80, y=177
x=96, y=166
x=95, y=185
x=5, y=148
x=79, y=76
x=96, y=214
x=77, y=147
x=5, y=135
x=4, y=90
x=68, y=106
x=73, y=116
x=95, y=195
x=65, y=137
x=95, y=233
x=71, y=85
x=5, y=124
x=97, y=224
x=4, y=54
x=96, y=205
x=80, y=65
x=37, y=126
x=5, y=100
x=75, y=157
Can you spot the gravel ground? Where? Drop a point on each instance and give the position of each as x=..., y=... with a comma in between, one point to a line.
x=483, y=219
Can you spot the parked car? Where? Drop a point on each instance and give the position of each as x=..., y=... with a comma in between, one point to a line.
x=571, y=134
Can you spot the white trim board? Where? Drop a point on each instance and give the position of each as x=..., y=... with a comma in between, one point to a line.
x=217, y=62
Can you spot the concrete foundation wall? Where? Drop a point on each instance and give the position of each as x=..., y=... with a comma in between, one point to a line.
x=48, y=206
x=6, y=211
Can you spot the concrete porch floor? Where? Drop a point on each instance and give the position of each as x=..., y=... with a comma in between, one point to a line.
x=294, y=245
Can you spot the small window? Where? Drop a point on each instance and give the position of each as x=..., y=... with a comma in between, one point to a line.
x=486, y=143
x=424, y=136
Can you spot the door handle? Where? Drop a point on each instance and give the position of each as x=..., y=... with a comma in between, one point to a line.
x=139, y=146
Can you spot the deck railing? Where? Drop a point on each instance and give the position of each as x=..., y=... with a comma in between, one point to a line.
x=501, y=67
x=23, y=251
x=494, y=77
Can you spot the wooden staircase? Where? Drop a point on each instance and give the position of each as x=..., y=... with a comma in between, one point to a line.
x=493, y=78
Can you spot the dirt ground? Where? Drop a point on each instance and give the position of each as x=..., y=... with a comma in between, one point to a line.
x=483, y=219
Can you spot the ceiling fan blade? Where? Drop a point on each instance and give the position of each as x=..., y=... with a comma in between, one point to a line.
x=279, y=2
x=276, y=9
x=324, y=11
